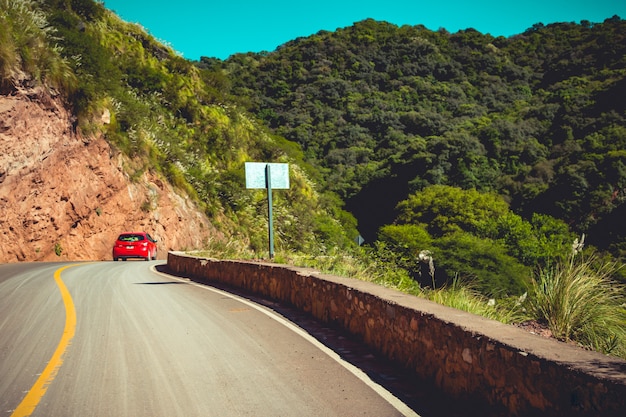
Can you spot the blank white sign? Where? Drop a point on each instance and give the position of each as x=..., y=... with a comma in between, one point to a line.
x=256, y=171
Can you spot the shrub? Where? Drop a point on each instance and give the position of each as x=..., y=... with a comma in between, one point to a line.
x=400, y=245
x=482, y=262
x=464, y=297
x=445, y=210
x=579, y=301
x=410, y=238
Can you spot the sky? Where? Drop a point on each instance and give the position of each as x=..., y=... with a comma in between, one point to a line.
x=218, y=29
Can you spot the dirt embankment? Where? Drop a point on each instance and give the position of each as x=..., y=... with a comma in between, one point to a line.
x=64, y=196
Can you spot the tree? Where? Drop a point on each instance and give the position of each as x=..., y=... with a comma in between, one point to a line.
x=481, y=263
x=443, y=209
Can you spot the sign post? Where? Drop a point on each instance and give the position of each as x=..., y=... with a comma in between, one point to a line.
x=270, y=216
x=269, y=176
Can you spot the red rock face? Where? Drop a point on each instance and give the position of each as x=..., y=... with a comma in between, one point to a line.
x=67, y=197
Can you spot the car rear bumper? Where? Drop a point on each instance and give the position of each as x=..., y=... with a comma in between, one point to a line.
x=123, y=253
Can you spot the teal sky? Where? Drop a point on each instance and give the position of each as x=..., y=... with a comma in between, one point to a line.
x=221, y=28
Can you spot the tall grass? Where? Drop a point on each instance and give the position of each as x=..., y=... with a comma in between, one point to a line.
x=27, y=45
x=221, y=248
x=459, y=294
x=462, y=296
x=580, y=302
x=355, y=264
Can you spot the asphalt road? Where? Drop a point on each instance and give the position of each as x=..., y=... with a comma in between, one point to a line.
x=121, y=339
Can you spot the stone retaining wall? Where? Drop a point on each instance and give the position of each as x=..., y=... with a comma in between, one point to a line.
x=464, y=355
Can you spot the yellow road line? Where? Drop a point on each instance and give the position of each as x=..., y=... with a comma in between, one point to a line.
x=30, y=402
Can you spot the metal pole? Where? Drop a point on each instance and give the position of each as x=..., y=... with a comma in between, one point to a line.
x=268, y=176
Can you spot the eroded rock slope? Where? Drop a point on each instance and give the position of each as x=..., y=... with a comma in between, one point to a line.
x=65, y=196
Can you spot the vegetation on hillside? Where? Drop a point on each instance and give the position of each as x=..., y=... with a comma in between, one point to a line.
x=387, y=110
x=27, y=51
x=167, y=116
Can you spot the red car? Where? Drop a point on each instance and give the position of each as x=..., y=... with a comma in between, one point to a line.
x=135, y=245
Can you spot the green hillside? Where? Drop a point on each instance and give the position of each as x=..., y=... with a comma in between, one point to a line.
x=386, y=111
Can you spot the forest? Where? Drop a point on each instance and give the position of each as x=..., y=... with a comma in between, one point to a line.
x=386, y=112
x=463, y=160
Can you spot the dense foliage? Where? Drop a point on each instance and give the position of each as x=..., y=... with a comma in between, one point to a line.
x=388, y=111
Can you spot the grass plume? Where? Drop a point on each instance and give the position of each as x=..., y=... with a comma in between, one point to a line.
x=580, y=302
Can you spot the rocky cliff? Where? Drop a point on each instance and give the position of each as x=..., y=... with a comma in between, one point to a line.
x=66, y=196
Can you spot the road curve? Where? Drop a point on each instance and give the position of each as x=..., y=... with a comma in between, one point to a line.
x=148, y=344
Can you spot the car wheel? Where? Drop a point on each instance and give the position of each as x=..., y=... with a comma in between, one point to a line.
x=154, y=256
x=115, y=259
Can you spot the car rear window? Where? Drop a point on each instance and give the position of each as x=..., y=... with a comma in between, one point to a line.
x=130, y=238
